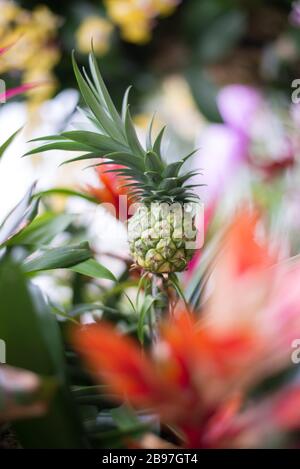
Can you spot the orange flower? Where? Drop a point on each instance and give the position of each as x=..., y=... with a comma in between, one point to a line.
x=171, y=381
x=111, y=189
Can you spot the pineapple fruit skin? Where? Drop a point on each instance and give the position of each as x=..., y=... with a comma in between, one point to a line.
x=160, y=239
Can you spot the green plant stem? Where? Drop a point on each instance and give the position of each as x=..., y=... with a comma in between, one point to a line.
x=155, y=314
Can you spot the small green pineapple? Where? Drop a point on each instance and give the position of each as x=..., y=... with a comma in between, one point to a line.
x=162, y=231
x=158, y=237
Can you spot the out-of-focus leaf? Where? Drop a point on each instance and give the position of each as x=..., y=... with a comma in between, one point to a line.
x=221, y=35
x=85, y=308
x=6, y=144
x=23, y=394
x=128, y=426
x=20, y=216
x=59, y=311
x=124, y=417
x=92, y=268
x=58, y=258
x=63, y=191
x=43, y=229
x=196, y=286
x=204, y=92
x=33, y=342
x=147, y=304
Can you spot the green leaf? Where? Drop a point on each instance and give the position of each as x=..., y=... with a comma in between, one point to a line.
x=20, y=216
x=63, y=191
x=60, y=145
x=131, y=136
x=6, y=144
x=48, y=138
x=153, y=163
x=175, y=283
x=124, y=417
x=102, y=90
x=86, y=156
x=84, y=308
x=204, y=92
x=149, y=135
x=94, y=140
x=92, y=268
x=123, y=159
x=158, y=142
x=58, y=258
x=169, y=184
x=221, y=35
x=33, y=341
x=91, y=101
x=147, y=305
x=125, y=103
x=172, y=169
x=42, y=230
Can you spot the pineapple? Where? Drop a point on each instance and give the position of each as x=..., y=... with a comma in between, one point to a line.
x=158, y=231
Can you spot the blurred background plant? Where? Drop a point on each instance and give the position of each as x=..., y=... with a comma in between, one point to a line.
x=219, y=73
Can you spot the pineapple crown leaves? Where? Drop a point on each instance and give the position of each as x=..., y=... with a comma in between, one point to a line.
x=115, y=140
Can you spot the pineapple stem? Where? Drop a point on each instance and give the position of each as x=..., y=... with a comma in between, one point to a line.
x=155, y=313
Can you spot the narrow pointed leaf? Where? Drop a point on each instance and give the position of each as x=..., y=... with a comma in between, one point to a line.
x=94, y=105
x=102, y=90
x=6, y=144
x=125, y=103
x=132, y=137
x=158, y=141
x=42, y=230
x=19, y=217
x=92, y=268
x=94, y=140
x=149, y=135
x=60, y=145
x=57, y=258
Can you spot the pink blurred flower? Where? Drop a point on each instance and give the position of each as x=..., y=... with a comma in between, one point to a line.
x=252, y=133
x=295, y=14
x=8, y=94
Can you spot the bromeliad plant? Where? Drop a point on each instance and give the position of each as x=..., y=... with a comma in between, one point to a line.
x=209, y=377
x=158, y=237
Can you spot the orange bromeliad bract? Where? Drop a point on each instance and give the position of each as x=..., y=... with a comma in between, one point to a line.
x=198, y=376
x=111, y=186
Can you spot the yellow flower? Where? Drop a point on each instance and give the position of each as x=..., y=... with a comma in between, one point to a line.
x=29, y=33
x=138, y=33
x=45, y=20
x=135, y=17
x=97, y=29
x=165, y=7
x=123, y=12
x=47, y=88
x=9, y=12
